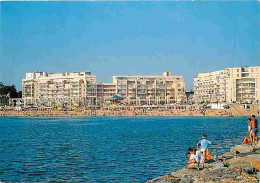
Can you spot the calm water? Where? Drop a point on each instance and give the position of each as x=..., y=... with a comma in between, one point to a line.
x=105, y=149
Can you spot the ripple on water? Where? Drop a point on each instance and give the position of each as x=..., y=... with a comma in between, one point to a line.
x=105, y=149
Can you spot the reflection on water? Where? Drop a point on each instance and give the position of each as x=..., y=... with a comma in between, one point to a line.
x=106, y=149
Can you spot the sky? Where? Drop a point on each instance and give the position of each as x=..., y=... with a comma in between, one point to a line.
x=127, y=38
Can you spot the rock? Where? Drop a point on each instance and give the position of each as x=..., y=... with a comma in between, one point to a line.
x=241, y=149
x=228, y=181
x=256, y=164
x=242, y=162
x=183, y=172
x=211, y=181
x=240, y=165
x=159, y=180
x=172, y=178
x=218, y=165
x=227, y=155
x=186, y=180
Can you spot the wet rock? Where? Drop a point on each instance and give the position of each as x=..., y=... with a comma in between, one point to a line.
x=158, y=180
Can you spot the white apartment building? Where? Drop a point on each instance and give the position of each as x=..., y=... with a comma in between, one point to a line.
x=240, y=84
x=81, y=88
x=210, y=87
x=148, y=90
x=47, y=89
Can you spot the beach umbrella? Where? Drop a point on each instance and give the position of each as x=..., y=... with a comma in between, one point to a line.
x=116, y=97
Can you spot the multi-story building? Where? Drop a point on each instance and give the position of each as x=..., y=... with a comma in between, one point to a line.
x=210, y=87
x=81, y=88
x=47, y=89
x=243, y=84
x=105, y=91
x=150, y=90
x=240, y=84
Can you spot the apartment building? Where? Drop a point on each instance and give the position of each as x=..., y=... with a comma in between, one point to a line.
x=105, y=91
x=148, y=90
x=81, y=88
x=48, y=89
x=240, y=84
x=210, y=87
x=243, y=84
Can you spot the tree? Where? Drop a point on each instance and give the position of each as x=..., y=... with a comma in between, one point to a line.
x=5, y=89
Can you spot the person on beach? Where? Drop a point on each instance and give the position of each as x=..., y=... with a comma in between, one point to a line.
x=194, y=158
x=254, y=130
x=203, y=146
x=249, y=127
x=188, y=152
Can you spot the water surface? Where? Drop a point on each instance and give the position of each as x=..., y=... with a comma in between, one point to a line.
x=115, y=149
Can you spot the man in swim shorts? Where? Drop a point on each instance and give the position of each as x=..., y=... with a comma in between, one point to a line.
x=254, y=130
x=203, y=146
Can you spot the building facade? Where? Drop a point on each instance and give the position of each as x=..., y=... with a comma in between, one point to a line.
x=81, y=89
x=105, y=91
x=210, y=87
x=149, y=90
x=240, y=84
x=243, y=84
x=62, y=89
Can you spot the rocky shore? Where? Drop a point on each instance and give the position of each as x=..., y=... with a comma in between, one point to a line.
x=240, y=165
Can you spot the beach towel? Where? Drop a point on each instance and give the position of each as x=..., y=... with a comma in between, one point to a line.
x=208, y=155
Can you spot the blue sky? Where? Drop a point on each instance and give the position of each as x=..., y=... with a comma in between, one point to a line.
x=126, y=38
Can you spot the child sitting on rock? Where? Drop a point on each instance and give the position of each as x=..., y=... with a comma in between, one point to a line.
x=194, y=159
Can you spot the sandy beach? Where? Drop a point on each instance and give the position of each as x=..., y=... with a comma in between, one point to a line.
x=130, y=111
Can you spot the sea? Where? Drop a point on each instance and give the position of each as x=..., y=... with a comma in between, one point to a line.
x=106, y=149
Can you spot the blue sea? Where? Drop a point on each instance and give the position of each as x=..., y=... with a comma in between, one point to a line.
x=112, y=149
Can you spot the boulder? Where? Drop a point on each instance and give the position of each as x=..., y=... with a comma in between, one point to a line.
x=241, y=149
x=218, y=165
x=244, y=163
x=159, y=180
x=165, y=179
x=186, y=180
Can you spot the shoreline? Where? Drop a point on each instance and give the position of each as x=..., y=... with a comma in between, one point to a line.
x=135, y=111
x=241, y=164
x=82, y=116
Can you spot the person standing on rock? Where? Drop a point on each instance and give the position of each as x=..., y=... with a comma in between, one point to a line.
x=249, y=128
x=254, y=130
x=203, y=146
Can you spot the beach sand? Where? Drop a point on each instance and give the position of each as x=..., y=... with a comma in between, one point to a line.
x=131, y=111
